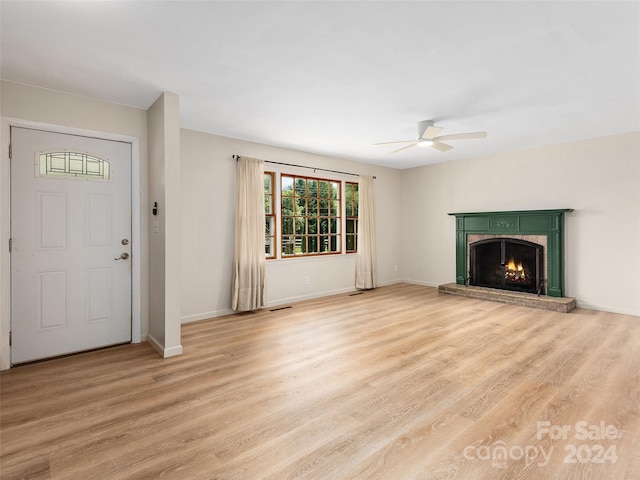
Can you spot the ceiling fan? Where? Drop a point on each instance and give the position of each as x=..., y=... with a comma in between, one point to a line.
x=428, y=137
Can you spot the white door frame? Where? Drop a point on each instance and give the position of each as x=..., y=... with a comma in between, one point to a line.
x=5, y=225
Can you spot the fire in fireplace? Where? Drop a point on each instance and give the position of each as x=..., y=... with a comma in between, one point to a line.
x=507, y=263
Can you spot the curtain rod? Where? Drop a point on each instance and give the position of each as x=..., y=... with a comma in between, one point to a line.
x=236, y=157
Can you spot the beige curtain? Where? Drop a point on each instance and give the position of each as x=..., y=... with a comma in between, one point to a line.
x=249, y=266
x=366, y=269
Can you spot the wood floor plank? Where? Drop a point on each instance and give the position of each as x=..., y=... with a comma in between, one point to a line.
x=399, y=382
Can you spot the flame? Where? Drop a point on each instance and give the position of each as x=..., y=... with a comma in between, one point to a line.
x=514, y=272
x=513, y=267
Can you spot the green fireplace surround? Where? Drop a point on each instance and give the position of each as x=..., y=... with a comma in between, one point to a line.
x=528, y=222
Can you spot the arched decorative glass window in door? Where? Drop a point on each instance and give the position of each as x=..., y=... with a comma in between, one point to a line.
x=73, y=165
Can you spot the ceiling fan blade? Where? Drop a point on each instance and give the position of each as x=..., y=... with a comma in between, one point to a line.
x=403, y=148
x=431, y=132
x=462, y=136
x=393, y=143
x=443, y=147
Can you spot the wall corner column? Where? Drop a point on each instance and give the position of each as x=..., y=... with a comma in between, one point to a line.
x=165, y=229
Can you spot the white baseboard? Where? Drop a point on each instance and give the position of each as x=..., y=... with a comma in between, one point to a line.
x=164, y=352
x=155, y=344
x=301, y=298
x=274, y=303
x=206, y=315
x=172, y=351
x=422, y=282
x=604, y=308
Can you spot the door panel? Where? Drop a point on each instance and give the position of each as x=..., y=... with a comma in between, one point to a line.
x=69, y=212
x=98, y=220
x=52, y=220
x=52, y=298
x=99, y=304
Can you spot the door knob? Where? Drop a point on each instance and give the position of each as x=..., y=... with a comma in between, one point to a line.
x=124, y=256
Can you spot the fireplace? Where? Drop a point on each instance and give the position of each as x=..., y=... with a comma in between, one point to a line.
x=508, y=264
x=537, y=233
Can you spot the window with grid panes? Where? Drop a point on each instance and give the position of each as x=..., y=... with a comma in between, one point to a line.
x=351, y=216
x=310, y=215
x=270, y=217
x=74, y=165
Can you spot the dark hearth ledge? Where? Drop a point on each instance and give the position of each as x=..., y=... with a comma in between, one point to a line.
x=543, y=302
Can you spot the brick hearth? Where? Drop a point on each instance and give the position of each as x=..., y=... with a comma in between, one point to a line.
x=562, y=305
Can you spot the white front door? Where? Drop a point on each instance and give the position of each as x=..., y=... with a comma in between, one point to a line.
x=71, y=244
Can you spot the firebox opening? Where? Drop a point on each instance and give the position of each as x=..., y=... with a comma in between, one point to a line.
x=507, y=263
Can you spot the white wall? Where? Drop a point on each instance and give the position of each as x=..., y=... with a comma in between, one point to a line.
x=208, y=216
x=41, y=108
x=599, y=178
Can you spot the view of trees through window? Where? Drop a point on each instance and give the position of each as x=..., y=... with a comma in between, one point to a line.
x=351, y=213
x=310, y=215
x=270, y=217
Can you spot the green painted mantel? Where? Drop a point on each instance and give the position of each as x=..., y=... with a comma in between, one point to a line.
x=527, y=222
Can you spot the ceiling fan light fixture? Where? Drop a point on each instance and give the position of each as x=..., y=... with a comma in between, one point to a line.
x=429, y=136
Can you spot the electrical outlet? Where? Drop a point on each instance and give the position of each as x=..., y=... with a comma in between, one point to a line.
x=395, y=268
x=306, y=279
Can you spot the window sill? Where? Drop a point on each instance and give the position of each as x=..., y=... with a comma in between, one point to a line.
x=311, y=258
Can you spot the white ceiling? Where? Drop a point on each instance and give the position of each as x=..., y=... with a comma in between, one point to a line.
x=334, y=77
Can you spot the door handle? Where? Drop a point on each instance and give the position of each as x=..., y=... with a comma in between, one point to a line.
x=124, y=256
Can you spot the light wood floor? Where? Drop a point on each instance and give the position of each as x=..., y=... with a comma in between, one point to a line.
x=397, y=383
